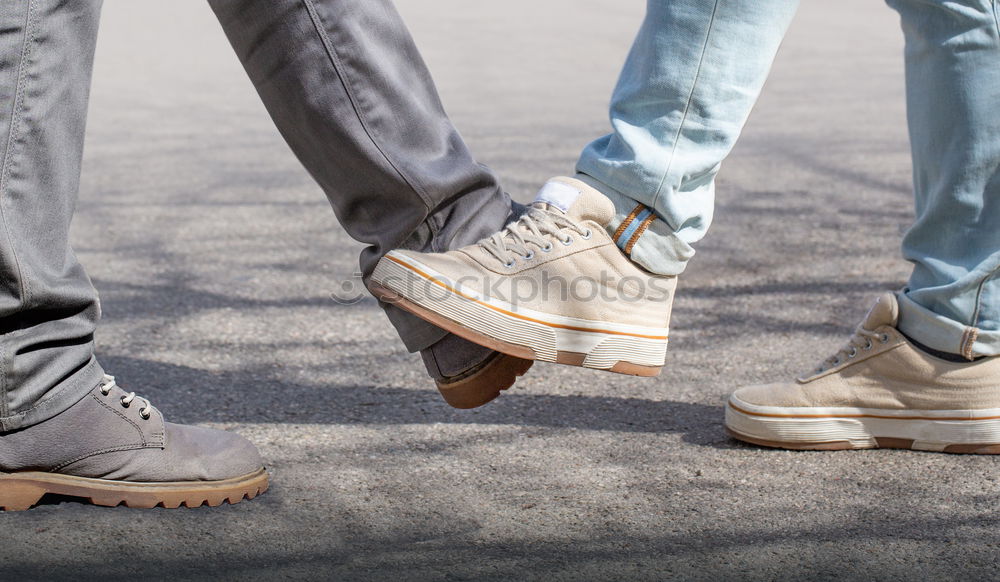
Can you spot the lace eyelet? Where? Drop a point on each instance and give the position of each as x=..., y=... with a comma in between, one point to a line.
x=509, y=265
x=884, y=338
x=547, y=248
x=529, y=256
x=854, y=352
x=868, y=345
x=125, y=403
x=836, y=362
x=568, y=241
x=587, y=234
x=145, y=415
x=105, y=392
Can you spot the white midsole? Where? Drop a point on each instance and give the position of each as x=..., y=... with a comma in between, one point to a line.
x=604, y=343
x=928, y=429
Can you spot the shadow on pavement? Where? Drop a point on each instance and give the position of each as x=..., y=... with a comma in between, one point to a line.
x=253, y=396
x=829, y=551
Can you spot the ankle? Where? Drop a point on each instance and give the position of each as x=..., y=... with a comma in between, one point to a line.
x=641, y=234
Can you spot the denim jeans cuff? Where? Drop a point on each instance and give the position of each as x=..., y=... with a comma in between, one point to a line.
x=657, y=248
x=941, y=333
x=69, y=392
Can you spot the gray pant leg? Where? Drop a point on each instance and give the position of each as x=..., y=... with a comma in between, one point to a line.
x=48, y=308
x=351, y=95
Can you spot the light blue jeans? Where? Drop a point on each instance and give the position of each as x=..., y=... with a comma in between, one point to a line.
x=694, y=73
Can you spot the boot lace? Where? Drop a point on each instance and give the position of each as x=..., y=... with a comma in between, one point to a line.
x=862, y=340
x=108, y=383
x=536, y=227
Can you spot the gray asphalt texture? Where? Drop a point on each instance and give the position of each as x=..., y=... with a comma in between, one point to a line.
x=215, y=256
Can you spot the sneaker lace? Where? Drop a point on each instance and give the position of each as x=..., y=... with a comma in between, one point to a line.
x=108, y=383
x=863, y=340
x=536, y=227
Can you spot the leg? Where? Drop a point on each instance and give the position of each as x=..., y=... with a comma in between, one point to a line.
x=952, y=301
x=623, y=228
x=349, y=92
x=48, y=308
x=905, y=379
x=687, y=88
x=66, y=428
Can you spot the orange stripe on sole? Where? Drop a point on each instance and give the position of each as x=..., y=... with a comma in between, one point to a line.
x=879, y=416
x=517, y=315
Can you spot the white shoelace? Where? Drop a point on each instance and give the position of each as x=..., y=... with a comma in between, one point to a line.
x=536, y=227
x=109, y=382
x=862, y=340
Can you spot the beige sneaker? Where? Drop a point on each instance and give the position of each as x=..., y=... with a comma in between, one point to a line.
x=878, y=391
x=551, y=286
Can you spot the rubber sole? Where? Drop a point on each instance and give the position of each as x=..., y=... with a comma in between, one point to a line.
x=818, y=429
x=505, y=331
x=20, y=491
x=880, y=443
x=485, y=384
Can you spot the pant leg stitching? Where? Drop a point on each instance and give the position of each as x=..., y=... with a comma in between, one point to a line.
x=15, y=117
x=972, y=332
x=339, y=68
x=969, y=338
x=996, y=15
x=687, y=105
x=979, y=294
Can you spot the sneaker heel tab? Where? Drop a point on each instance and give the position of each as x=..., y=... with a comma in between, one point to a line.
x=885, y=311
x=559, y=193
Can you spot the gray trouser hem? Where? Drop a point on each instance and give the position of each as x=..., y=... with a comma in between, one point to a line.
x=415, y=333
x=58, y=399
x=469, y=219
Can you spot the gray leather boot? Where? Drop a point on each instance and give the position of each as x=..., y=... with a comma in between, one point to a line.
x=114, y=448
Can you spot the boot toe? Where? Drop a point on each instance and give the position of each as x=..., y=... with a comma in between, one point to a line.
x=208, y=454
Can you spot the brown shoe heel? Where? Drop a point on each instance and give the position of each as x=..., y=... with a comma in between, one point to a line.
x=485, y=383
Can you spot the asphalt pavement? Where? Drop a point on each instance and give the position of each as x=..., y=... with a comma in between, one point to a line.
x=215, y=256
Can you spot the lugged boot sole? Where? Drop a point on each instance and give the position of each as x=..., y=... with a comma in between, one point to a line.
x=20, y=491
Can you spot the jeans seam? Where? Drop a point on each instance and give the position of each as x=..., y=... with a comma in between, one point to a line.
x=15, y=117
x=972, y=332
x=339, y=68
x=979, y=295
x=996, y=15
x=687, y=105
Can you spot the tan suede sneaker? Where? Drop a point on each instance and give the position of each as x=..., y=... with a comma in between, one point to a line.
x=551, y=286
x=879, y=390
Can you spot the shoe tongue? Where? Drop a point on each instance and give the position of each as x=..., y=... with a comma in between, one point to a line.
x=884, y=312
x=577, y=200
